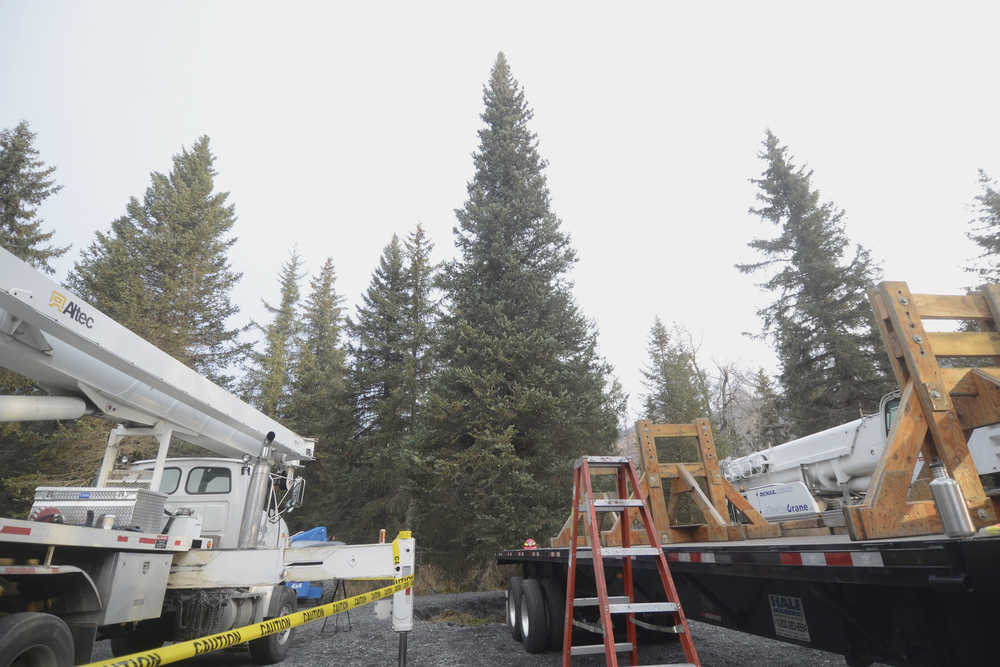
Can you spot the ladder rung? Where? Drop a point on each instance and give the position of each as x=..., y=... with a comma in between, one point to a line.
x=618, y=552
x=670, y=629
x=615, y=505
x=590, y=649
x=586, y=553
x=641, y=607
x=592, y=602
x=602, y=461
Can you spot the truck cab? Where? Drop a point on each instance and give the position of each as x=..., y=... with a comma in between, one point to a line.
x=214, y=491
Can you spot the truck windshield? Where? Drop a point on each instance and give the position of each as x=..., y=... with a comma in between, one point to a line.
x=208, y=480
x=170, y=481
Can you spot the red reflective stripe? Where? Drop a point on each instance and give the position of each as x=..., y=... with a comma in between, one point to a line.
x=673, y=556
x=15, y=530
x=147, y=540
x=790, y=558
x=695, y=557
x=123, y=538
x=177, y=543
x=838, y=558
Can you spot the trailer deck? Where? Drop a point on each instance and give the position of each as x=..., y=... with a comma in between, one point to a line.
x=928, y=600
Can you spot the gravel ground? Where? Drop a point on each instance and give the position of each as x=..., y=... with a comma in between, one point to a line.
x=437, y=644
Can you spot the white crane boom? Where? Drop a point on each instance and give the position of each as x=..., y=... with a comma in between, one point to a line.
x=70, y=348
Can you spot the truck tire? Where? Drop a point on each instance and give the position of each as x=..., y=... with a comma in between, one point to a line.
x=144, y=636
x=35, y=640
x=514, y=607
x=555, y=607
x=274, y=648
x=533, y=627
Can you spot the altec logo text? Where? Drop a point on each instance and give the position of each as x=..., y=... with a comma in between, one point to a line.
x=75, y=312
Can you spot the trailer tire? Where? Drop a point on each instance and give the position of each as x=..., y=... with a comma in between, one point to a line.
x=514, y=607
x=555, y=607
x=35, y=639
x=533, y=613
x=274, y=648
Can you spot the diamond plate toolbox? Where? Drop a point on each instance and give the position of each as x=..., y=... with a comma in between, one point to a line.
x=133, y=509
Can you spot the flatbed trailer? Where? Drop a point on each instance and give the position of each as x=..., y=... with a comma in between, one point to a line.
x=928, y=600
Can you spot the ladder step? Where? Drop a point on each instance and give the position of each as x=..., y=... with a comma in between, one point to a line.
x=590, y=649
x=592, y=602
x=612, y=505
x=619, y=552
x=602, y=461
x=642, y=607
x=669, y=629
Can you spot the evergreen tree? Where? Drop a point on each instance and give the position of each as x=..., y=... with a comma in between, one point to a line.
x=770, y=428
x=162, y=269
x=421, y=316
x=986, y=231
x=677, y=388
x=268, y=382
x=392, y=362
x=521, y=390
x=25, y=183
x=832, y=362
x=320, y=405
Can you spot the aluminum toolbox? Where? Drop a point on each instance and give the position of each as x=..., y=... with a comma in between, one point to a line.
x=133, y=509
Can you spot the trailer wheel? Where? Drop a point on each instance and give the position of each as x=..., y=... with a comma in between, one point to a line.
x=274, y=648
x=514, y=607
x=33, y=639
x=533, y=626
x=555, y=607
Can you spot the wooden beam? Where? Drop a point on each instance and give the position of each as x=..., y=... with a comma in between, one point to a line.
x=952, y=307
x=701, y=499
x=710, y=461
x=674, y=430
x=651, y=467
x=965, y=343
x=950, y=377
x=977, y=399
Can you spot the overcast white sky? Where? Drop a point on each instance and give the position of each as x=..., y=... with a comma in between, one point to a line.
x=337, y=124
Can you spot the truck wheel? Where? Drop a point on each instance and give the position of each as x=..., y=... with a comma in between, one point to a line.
x=533, y=630
x=514, y=607
x=274, y=648
x=555, y=607
x=33, y=639
x=143, y=637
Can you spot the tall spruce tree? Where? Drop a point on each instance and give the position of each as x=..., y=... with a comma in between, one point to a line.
x=162, y=269
x=677, y=389
x=421, y=317
x=25, y=183
x=832, y=361
x=985, y=231
x=320, y=405
x=521, y=389
x=268, y=382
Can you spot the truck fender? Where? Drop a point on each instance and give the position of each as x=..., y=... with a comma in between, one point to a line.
x=74, y=587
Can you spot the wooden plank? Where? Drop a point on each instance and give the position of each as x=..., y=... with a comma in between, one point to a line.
x=674, y=430
x=965, y=343
x=992, y=295
x=706, y=506
x=710, y=461
x=888, y=336
x=952, y=307
x=651, y=467
x=977, y=399
x=669, y=470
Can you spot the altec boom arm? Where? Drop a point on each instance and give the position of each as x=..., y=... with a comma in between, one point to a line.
x=70, y=348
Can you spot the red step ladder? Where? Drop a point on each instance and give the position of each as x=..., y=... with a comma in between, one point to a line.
x=584, y=502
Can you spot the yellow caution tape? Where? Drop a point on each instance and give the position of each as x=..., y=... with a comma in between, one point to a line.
x=202, y=645
x=403, y=535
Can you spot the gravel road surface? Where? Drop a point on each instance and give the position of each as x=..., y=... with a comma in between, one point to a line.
x=434, y=643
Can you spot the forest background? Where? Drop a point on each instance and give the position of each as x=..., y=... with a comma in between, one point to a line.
x=454, y=397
